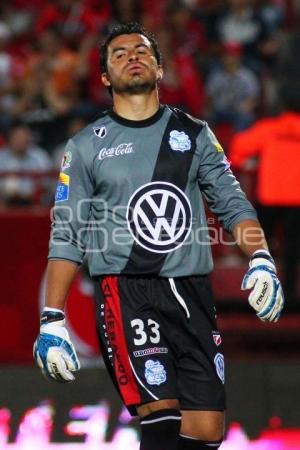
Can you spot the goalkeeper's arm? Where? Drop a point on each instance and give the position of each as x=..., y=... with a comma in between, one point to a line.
x=60, y=275
x=53, y=351
x=249, y=236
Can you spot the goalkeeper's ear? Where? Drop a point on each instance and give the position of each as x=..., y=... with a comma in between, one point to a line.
x=105, y=79
x=160, y=73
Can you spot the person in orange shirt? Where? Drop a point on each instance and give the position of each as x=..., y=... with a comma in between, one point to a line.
x=59, y=62
x=275, y=142
x=50, y=91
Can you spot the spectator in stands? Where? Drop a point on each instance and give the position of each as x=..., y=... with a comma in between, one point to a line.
x=209, y=12
x=272, y=13
x=126, y=10
x=20, y=22
x=60, y=63
x=11, y=71
x=96, y=96
x=232, y=91
x=50, y=90
x=188, y=34
x=242, y=24
x=153, y=15
x=180, y=72
x=288, y=64
x=20, y=15
x=71, y=17
x=276, y=144
x=21, y=156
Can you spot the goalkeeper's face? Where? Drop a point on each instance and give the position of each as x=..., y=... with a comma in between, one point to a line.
x=131, y=65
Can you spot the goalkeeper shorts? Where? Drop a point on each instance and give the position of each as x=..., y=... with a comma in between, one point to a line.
x=159, y=340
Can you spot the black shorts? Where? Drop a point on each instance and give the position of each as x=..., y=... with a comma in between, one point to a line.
x=159, y=340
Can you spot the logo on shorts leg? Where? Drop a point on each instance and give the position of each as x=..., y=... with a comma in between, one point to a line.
x=217, y=338
x=155, y=372
x=220, y=367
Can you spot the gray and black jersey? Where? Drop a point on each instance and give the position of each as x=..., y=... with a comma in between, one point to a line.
x=130, y=196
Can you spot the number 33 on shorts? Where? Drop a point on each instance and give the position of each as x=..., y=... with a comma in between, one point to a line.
x=145, y=332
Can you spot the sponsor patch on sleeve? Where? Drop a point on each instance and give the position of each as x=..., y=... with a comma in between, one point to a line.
x=214, y=141
x=62, y=190
x=219, y=147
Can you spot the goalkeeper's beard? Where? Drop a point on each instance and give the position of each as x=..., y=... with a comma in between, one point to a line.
x=135, y=87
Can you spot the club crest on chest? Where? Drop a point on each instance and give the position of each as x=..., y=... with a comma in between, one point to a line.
x=179, y=141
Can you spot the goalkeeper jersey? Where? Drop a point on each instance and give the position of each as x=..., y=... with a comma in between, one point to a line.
x=130, y=196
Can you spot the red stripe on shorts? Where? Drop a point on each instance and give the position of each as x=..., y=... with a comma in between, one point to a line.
x=117, y=340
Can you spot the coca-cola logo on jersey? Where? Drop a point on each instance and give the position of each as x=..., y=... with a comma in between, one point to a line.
x=121, y=149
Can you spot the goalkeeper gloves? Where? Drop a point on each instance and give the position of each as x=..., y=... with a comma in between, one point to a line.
x=53, y=351
x=266, y=295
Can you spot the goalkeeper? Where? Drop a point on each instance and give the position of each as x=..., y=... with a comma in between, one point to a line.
x=130, y=196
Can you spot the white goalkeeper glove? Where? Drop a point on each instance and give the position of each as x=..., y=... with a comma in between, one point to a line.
x=266, y=296
x=53, y=351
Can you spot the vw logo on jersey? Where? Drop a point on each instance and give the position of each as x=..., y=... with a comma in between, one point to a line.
x=159, y=217
x=179, y=141
x=100, y=132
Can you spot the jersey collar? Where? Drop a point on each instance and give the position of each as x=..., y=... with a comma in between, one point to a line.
x=137, y=123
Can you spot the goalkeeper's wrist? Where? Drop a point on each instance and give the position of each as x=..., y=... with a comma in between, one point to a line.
x=49, y=308
x=262, y=256
x=50, y=315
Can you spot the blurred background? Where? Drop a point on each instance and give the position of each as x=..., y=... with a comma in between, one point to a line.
x=234, y=63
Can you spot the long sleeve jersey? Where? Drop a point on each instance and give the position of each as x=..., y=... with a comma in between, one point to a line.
x=130, y=196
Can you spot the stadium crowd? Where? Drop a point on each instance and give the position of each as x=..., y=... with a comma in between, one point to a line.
x=219, y=57
x=223, y=62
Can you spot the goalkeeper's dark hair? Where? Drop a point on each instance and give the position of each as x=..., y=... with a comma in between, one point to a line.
x=127, y=28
